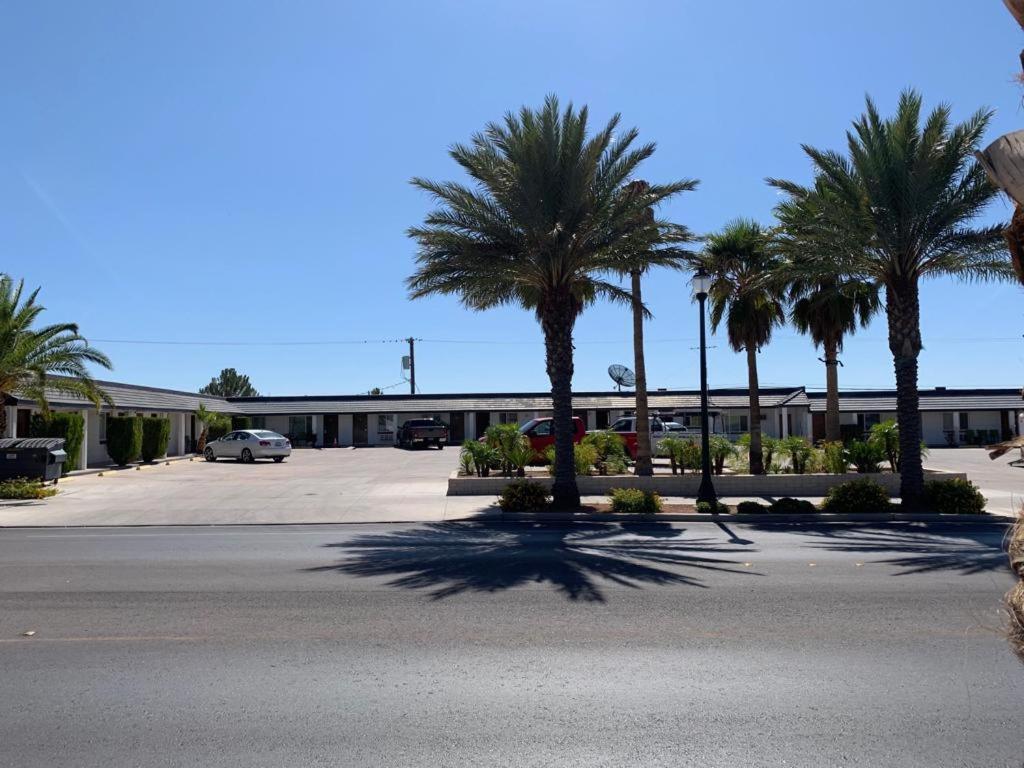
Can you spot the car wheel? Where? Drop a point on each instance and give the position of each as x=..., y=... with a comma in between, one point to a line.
x=246, y=456
x=278, y=459
x=209, y=455
x=440, y=446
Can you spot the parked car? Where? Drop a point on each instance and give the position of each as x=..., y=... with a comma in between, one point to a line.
x=422, y=432
x=626, y=429
x=676, y=427
x=247, y=445
x=541, y=434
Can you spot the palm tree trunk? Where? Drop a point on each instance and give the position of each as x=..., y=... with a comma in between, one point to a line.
x=557, y=319
x=756, y=457
x=904, y=314
x=833, y=432
x=643, y=421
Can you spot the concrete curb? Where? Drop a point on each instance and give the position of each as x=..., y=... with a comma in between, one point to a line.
x=98, y=470
x=882, y=517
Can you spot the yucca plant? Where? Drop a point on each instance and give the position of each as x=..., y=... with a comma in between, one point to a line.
x=543, y=226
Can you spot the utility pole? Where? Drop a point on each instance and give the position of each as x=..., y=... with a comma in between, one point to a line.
x=412, y=365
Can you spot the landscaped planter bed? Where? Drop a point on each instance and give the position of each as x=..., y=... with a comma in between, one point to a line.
x=770, y=486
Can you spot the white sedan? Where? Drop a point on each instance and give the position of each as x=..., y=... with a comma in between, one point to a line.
x=247, y=445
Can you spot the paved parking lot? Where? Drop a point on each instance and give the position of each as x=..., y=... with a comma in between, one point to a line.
x=1002, y=484
x=340, y=485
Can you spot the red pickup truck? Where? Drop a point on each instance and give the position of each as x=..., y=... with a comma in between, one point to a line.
x=626, y=429
x=541, y=434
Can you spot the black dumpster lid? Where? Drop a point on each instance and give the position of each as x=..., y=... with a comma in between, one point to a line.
x=9, y=442
x=49, y=443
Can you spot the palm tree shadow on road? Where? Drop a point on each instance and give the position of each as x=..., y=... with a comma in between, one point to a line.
x=451, y=558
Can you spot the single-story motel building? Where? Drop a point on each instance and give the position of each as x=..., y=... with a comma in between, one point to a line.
x=949, y=416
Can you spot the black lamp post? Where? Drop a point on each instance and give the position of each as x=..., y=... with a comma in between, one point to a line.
x=706, y=492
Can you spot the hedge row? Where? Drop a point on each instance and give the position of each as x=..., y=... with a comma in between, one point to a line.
x=132, y=437
x=67, y=425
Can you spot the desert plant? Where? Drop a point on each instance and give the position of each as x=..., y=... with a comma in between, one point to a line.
x=40, y=362
x=124, y=439
x=836, y=460
x=23, y=489
x=886, y=436
x=865, y=456
x=790, y=506
x=897, y=208
x=856, y=496
x=67, y=425
x=799, y=452
x=584, y=457
x=721, y=450
x=751, y=508
x=466, y=463
x=712, y=508
x=611, y=451
x=520, y=455
x=156, y=434
x=524, y=496
x=214, y=425
x=503, y=438
x=543, y=227
x=635, y=501
x=672, y=448
x=953, y=496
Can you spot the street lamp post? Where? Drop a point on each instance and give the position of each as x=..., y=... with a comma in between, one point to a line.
x=706, y=492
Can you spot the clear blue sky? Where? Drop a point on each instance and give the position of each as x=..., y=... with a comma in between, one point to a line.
x=237, y=171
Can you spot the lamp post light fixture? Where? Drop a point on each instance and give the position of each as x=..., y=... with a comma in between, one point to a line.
x=706, y=492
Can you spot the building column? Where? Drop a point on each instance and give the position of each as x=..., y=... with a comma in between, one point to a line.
x=318, y=429
x=471, y=425
x=784, y=430
x=182, y=425
x=956, y=427
x=83, y=452
x=12, y=421
x=591, y=420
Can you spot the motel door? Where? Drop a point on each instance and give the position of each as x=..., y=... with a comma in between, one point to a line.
x=330, y=430
x=458, y=427
x=360, y=434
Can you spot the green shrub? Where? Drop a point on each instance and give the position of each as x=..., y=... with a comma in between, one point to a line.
x=790, y=506
x=721, y=450
x=519, y=455
x=583, y=457
x=483, y=456
x=466, y=463
x=68, y=425
x=504, y=439
x=836, y=460
x=524, y=496
x=217, y=431
x=671, y=448
x=124, y=439
x=241, y=422
x=634, y=501
x=156, y=434
x=857, y=496
x=22, y=489
x=799, y=452
x=709, y=508
x=751, y=508
x=865, y=456
x=954, y=496
x=611, y=452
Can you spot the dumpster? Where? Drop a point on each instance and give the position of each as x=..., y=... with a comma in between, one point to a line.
x=35, y=458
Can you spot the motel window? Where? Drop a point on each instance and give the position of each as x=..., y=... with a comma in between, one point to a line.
x=508, y=417
x=736, y=423
x=963, y=421
x=385, y=422
x=259, y=422
x=300, y=427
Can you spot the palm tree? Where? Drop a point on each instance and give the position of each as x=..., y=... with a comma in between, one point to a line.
x=38, y=362
x=827, y=310
x=540, y=228
x=899, y=208
x=745, y=293
x=651, y=246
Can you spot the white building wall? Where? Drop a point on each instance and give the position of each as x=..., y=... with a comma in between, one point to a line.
x=931, y=428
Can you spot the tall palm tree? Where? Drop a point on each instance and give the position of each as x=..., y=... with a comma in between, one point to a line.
x=651, y=246
x=541, y=227
x=37, y=362
x=900, y=207
x=745, y=293
x=827, y=310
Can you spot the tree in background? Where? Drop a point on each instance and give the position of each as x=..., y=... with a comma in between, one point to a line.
x=542, y=228
x=899, y=207
x=746, y=295
x=230, y=383
x=38, y=362
x=654, y=244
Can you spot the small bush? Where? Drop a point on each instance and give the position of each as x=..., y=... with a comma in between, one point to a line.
x=708, y=508
x=124, y=439
x=634, y=501
x=67, y=425
x=524, y=496
x=721, y=450
x=751, y=508
x=156, y=434
x=611, y=452
x=799, y=452
x=217, y=431
x=954, y=496
x=466, y=463
x=584, y=456
x=857, y=496
x=22, y=489
x=790, y=506
x=836, y=460
x=865, y=456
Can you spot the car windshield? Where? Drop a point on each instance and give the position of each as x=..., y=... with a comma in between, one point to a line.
x=528, y=426
x=267, y=434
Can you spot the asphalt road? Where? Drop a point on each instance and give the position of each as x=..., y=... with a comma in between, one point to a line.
x=462, y=644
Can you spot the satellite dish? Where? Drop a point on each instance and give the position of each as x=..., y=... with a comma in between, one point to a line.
x=622, y=376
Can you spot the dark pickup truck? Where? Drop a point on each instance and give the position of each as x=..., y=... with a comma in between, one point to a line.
x=422, y=432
